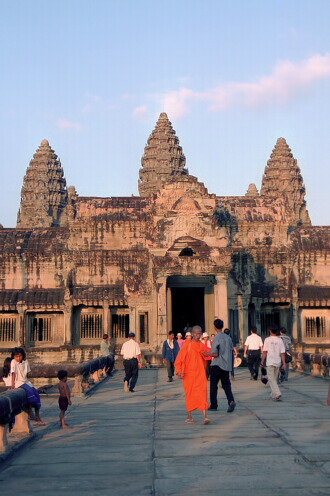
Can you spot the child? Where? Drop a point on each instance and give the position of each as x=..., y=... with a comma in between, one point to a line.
x=19, y=369
x=64, y=399
x=6, y=377
x=6, y=372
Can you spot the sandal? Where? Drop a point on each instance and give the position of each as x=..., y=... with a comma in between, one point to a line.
x=206, y=421
x=189, y=421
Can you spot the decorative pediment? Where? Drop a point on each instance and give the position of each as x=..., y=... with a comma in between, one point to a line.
x=186, y=204
x=188, y=246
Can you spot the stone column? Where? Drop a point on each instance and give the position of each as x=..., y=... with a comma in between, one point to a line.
x=295, y=320
x=106, y=318
x=209, y=307
x=221, y=298
x=132, y=323
x=161, y=310
x=68, y=324
x=20, y=328
x=169, y=310
x=243, y=316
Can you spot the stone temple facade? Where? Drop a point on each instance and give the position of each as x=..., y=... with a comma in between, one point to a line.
x=76, y=267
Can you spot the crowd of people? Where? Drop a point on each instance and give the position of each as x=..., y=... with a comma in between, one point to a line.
x=15, y=375
x=195, y=357
x=200, y=358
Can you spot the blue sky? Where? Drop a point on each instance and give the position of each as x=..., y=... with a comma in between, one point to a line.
x=233, y=76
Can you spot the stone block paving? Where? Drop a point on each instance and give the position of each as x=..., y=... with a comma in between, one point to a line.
x=123, y=443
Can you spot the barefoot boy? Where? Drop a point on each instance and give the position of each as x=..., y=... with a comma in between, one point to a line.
x=64, y=399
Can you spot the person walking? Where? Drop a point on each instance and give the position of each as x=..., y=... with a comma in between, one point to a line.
x=273, y=355
x=169, y=354
x=252, y=351
x=287, y=344
x=180, y=340
x=190, y=366
x=207, y=343
x=64, y=399
x=221, y=366
x=132, y=362
x=105, y=351
x=235, y=352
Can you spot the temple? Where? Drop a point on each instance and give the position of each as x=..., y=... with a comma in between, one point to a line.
x=76, y=267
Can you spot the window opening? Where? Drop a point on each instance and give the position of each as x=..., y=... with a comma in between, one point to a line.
x=7, y=329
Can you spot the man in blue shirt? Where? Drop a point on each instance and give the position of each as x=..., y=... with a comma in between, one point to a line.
x=221, y=366
x=169, y=354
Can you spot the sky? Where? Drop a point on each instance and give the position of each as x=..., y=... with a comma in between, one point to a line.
x=92, y=77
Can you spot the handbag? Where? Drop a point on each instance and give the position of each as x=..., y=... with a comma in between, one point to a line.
x=288, y=357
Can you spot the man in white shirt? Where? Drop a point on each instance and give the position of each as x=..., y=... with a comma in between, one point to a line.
x=273, y=355
x=252, y=351
x=132, y=362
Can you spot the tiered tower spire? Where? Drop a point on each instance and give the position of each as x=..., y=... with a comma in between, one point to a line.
x=163, y=158
x=282, y=178
x=44, y=193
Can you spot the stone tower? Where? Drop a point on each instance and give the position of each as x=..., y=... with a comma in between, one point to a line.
x=163, y=158
x=282, y=178
x=44, y=193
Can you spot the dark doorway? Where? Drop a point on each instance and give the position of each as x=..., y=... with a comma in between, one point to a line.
x=187, y=306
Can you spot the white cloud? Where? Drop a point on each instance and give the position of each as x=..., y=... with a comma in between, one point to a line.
x=128, y=96
x=140, y=113
x=287, y=80
x=94, y=98
x=64, y=124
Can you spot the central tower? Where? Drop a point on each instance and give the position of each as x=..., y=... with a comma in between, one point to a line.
x=163, y=158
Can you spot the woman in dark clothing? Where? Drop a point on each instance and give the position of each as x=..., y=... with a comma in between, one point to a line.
x=170, y=352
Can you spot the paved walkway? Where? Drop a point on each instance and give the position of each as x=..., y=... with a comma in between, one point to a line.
x=138, y=444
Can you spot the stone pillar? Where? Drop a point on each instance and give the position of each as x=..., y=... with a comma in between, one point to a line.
x=209, y=308
x=169, y=310
x=68, y=324
x=221, y=298
x=132, y=323
x=106, y=318
x=243, y=316
x=20, y=329
x=161, y=310
x=295, y=320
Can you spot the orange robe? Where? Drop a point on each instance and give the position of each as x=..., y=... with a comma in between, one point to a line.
x=191, y=361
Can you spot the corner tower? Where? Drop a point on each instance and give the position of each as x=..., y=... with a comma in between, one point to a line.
x=44, y=194
x=163, y=158
x=282, y=178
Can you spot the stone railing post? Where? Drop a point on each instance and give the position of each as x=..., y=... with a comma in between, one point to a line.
x=3, y=438
x=77, y=389
x=22, y=424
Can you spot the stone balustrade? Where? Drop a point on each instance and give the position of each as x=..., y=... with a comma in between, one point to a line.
x=313, y=363
x=13, y=403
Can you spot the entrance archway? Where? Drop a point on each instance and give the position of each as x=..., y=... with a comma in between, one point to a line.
x=187, y=308
x=190, y=299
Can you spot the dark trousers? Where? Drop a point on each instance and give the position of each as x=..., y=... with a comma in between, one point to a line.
x=131, y=372
x=254, y=361
x=170, y=369
x=217, y=374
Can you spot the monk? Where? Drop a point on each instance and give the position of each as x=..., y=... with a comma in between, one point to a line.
x=190, y=366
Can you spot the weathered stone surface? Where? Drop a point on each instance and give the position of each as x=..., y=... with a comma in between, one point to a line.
x=44, y=193
x=139, y=443
x=162, y=159
x=77, y=267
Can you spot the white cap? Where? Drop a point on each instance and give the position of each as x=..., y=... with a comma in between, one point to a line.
x=205, y=335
